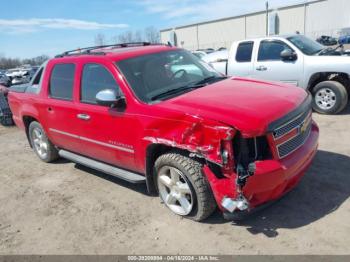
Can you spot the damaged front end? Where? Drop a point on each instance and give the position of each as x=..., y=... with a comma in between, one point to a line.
x=228, y=157
x=246, y=152
x=244, y=169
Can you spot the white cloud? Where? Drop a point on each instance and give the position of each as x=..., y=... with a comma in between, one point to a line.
x=35, y=24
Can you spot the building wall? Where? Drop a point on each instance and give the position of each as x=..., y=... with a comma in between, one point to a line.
x=222, y=33
x=313, y=19
x=327, y=17
x=255, y=25
x=291, y=20
x=187, y=37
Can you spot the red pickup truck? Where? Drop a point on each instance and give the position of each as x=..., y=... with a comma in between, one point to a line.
x=156, y=114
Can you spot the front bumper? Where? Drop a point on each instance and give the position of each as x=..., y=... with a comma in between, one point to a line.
x=272, y=179
x=242, y=215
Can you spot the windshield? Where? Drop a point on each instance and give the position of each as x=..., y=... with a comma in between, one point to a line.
x=152, y=75
x=306, y=45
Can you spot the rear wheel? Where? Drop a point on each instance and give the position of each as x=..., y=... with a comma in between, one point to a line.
x=182, y=186
x=330, y=97
x=42, y=146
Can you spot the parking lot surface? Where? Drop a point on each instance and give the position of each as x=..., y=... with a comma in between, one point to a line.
x=64, y=208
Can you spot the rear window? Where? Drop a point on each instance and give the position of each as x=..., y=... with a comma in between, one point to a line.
x=244, y=52
x=61, y=81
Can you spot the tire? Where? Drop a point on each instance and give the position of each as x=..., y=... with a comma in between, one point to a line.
x=198, y=193
x=42, y=146
x=5, y=112
x=329, y=97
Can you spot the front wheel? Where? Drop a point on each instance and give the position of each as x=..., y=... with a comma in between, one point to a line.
x=42, y=146
x=183, y=187
x=330, y=97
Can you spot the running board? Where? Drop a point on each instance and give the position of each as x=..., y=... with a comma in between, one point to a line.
x=105, y=168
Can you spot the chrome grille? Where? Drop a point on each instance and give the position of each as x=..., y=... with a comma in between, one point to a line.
x=294, y=143
x=289, y=126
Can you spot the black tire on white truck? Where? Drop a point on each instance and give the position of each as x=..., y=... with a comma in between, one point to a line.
x=329, y=97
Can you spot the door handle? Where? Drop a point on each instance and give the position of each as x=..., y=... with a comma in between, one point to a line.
x=83, y=116
x=261, y=68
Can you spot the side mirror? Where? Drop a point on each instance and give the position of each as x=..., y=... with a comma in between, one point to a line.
x=108, y=97
x=288, y=55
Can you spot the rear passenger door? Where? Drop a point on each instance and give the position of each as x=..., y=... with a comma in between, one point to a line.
x=59, y=109
x=270, y=66
x=104, y=131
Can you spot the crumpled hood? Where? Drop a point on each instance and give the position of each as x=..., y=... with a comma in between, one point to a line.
x=248, y=105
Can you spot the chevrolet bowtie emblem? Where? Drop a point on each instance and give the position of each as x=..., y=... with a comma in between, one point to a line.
x=304, y=126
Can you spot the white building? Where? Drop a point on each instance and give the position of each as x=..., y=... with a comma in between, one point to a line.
x=312, y=18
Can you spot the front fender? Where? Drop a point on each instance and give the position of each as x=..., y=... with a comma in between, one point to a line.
x=202, y=138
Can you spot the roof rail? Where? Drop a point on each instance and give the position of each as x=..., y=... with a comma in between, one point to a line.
x=87, y=50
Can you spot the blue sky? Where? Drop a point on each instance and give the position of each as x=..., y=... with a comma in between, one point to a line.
x=35, y=27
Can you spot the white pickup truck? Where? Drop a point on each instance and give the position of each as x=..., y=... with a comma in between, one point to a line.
x=293, y=59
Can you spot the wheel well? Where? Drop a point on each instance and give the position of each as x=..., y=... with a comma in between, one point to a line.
x=317, y=78
x=27, y=120
x=152, y=153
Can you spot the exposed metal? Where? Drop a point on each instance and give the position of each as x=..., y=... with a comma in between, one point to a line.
x=240, y=203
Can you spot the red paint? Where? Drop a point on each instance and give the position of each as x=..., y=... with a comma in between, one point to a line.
x=201, y=122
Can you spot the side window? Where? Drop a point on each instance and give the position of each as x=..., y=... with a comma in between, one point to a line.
x=244, y=52
x=37, y=76
x=271, y=50
x=61, y=81
x=95, y=79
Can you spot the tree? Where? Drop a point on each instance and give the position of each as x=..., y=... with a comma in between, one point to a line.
x=152, y=34
x=8, y=63
x=138, y=36
x=126, y=37
x=149, y=34
x=100, y=39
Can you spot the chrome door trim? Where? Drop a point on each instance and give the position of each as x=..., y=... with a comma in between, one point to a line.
x=92, y=141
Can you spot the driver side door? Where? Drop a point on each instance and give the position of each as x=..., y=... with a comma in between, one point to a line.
x=105, y=132
x=269, y=65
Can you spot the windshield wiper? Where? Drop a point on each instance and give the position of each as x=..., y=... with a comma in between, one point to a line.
x=324, y=51
x=171, y=92
x=198, y=84
x=207, y=80
x=328, y=50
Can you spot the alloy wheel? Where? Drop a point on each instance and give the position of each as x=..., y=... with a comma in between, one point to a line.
x=175, y=190
x=325, y=98
x=39, y=142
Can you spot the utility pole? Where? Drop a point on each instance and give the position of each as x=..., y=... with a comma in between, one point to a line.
x=267, y=17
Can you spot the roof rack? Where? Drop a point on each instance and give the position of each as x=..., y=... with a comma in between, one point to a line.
x=87, y=50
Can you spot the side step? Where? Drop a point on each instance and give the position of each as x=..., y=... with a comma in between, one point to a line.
x=105, y=168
